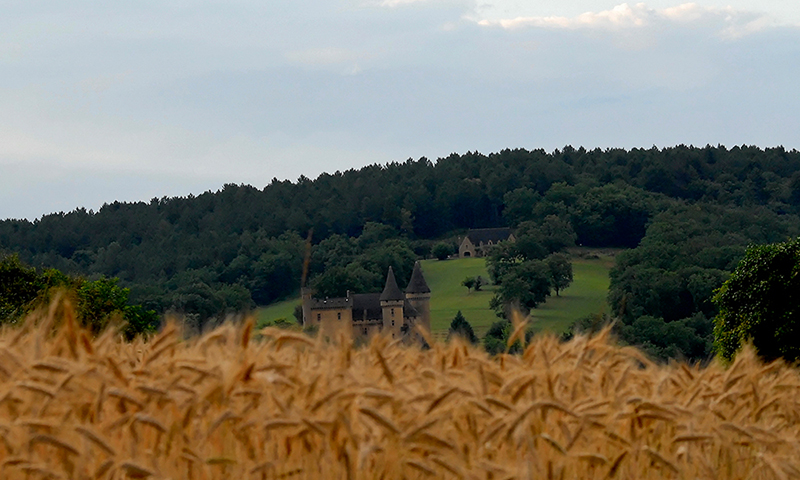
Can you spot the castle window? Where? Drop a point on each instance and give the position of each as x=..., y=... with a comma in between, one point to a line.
x=393, y=324
x=339, y=316
x=319, y=317
x=393, y=312
x=365, y=330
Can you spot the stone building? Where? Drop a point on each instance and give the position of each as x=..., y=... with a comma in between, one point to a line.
x=478, y=241
x=392, y=312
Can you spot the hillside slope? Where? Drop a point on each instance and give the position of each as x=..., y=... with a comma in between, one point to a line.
x=586, y=295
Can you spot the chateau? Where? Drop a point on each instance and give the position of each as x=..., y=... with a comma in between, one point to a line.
x=391, y=312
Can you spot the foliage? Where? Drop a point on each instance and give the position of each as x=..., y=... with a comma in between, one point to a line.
x=461, y=327
x=560, y=271
x=346, y=266
x=688, y=253
x=494, y=342
x=525, y=281
x=469, y=282
x=686, y=339
x=99, y=300
x=590, y=325
x=496, y=339
x=139, y=321
x=19, y=287
x=442, y=250
x=22, y=289
x=524, y=286
x=759, y=302
x=282, y=323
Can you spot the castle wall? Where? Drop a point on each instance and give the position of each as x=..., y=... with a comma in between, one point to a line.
x=331, y=320
x=366, y=329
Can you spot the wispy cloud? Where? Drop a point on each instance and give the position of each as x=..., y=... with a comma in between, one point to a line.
x=728, y=22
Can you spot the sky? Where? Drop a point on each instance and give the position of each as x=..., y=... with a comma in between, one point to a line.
x=107, y=100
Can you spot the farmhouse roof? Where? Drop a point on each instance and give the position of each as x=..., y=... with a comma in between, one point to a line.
x=391, y=291
x=417, y=284
x=485, y=235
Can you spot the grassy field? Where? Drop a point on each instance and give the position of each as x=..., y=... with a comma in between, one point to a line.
x=448, y=296
x=586, y=295
x=284, y=309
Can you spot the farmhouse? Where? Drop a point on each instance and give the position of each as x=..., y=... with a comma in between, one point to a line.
x=477, y=241
x=392, y=311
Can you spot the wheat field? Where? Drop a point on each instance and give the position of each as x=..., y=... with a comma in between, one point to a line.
x=234, y=403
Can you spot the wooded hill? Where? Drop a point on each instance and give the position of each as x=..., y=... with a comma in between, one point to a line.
x=686, y=213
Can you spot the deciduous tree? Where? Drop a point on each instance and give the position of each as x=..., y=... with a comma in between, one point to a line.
x=761, y=302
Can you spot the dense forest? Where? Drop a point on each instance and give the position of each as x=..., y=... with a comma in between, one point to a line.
x=684, y=214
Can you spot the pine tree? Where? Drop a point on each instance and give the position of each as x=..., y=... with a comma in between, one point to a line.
x=461, y=327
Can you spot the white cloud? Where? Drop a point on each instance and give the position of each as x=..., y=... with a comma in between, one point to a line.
x=621, y=16
x=727, y=21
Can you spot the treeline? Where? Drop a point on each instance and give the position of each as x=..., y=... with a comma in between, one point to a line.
x=686, y=212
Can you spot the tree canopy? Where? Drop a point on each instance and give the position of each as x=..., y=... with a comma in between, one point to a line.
x=23, y=289
x=761, y=302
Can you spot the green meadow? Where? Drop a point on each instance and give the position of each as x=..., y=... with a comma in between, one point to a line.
x=586, y=295
x=270, y=313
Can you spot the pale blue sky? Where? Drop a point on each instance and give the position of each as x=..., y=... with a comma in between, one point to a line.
x=107, y=101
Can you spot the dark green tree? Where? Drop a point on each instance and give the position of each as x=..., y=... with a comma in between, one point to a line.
x=459, y=326
x=523, y=287
x=19, y=287
x=494, y=342
x=468, y=282
x=761, y=302
x=560, y=269
x=99, y=301
x=139, y=321
x=442, y=250
x=496, y=339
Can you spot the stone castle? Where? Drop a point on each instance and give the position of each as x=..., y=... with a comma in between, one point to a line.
x=392, y=312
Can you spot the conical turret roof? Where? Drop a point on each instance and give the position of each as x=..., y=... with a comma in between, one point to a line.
x=391, y=291
x=417, y=284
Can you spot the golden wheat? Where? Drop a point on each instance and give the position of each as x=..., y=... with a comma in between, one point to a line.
x=235, y=403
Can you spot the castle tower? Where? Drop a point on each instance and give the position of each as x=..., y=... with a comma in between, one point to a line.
x=418, y=295
x=392, y=301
